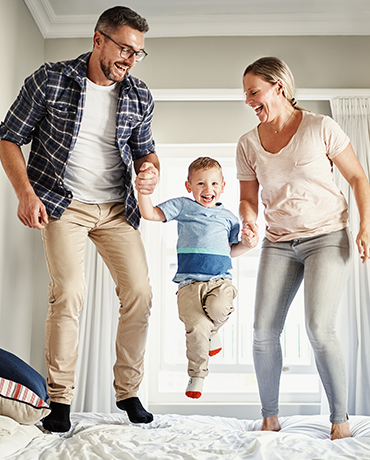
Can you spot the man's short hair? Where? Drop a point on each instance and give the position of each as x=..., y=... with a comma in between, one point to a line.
x=119, y=16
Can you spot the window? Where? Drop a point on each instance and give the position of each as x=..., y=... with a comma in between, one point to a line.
x=231, y=378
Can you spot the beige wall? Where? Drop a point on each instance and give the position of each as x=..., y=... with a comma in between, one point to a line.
x=23, y=298
x=22, y=49
x=218, y=62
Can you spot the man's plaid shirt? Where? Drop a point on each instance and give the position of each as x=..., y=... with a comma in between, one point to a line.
x=48, y=112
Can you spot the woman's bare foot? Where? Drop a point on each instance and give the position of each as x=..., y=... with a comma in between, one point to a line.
x=271, y=424
x=340, y=430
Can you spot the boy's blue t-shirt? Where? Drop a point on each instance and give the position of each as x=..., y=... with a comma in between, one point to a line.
x=204, y=237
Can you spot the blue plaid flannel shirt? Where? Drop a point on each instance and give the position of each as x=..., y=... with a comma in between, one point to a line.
x=48, y=112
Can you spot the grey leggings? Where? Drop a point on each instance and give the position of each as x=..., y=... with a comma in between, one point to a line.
x=323, y=263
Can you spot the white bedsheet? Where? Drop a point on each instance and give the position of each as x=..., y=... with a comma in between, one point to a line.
x=174, y=437
x=14, y=436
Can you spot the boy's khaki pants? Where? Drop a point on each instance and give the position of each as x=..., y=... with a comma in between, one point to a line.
x=203, y=307
x=121, y=248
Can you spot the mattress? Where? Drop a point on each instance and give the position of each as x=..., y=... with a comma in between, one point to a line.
x=175, y=437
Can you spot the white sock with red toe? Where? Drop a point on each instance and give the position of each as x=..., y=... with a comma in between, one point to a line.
x=215, y=345
x=195, y=387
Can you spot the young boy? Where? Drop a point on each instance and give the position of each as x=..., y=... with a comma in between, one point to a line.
x=208, y=234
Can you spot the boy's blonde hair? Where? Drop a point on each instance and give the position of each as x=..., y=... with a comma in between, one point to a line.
x=204, y=163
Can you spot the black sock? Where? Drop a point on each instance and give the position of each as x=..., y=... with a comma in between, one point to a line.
x=58, y=419
x=135, y=411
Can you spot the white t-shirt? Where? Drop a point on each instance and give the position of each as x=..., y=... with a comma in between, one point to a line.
x=298, y=192
x=94, y=172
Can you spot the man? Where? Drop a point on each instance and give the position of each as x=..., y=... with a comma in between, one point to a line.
x=89, y=121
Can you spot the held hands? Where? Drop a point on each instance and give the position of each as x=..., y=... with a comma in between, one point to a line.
x=31, y=211
x=147, y=179
x=250, y=234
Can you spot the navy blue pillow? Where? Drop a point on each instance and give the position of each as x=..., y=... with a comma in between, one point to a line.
x=13, y=368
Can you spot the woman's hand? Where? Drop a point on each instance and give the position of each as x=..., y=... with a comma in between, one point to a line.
x=363, y=243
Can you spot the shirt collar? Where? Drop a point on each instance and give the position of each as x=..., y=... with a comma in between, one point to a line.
x=77, y=70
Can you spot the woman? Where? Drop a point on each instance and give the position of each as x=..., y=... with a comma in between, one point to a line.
x=290, y=154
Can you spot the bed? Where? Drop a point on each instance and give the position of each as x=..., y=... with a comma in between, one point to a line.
x=23, y=403
x=175, y=437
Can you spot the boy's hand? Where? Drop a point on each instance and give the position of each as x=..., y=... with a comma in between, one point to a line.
x=147, y=179
x=250, y=234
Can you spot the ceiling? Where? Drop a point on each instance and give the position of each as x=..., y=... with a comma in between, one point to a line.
x=186, y=18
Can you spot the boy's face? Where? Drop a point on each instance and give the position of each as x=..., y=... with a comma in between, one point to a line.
x=206, y=186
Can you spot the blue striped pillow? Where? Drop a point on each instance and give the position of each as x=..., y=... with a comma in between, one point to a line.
x=20, y=403
x=15, y=369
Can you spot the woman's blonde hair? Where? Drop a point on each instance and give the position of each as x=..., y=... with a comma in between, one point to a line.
x=272, y=70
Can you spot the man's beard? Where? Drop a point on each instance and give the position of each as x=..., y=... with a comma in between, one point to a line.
x=109, y=74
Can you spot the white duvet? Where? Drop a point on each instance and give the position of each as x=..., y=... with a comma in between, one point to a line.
x=175, y=437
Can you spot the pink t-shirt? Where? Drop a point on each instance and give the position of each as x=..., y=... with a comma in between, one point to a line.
x=298, y=192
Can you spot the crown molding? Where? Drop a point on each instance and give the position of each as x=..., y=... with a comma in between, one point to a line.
x=52, y=26
x=270, y=24
x=224, y=94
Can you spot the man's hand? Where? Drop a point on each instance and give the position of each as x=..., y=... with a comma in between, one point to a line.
x=250, y=235
x=147, y=178
x=32, y=212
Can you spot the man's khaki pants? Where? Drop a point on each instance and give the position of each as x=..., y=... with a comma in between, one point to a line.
x=121, y=248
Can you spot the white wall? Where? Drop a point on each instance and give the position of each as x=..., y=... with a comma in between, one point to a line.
x=23, y=281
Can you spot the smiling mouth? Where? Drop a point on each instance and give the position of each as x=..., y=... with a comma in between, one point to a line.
x=258, y=109
x=121, y=68
x=208, y=198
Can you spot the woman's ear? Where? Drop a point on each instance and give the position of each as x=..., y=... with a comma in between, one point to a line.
x=280, y=87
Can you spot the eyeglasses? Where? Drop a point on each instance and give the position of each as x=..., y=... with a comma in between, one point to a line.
x=127, y=52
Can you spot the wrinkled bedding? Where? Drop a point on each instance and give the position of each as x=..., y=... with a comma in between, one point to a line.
x=96, y=436
x=14, y=436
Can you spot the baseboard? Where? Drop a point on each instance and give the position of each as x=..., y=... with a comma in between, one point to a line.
x=243, y=411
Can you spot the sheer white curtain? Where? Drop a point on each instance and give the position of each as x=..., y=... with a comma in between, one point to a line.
x=98, y=326
x=353, y=115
